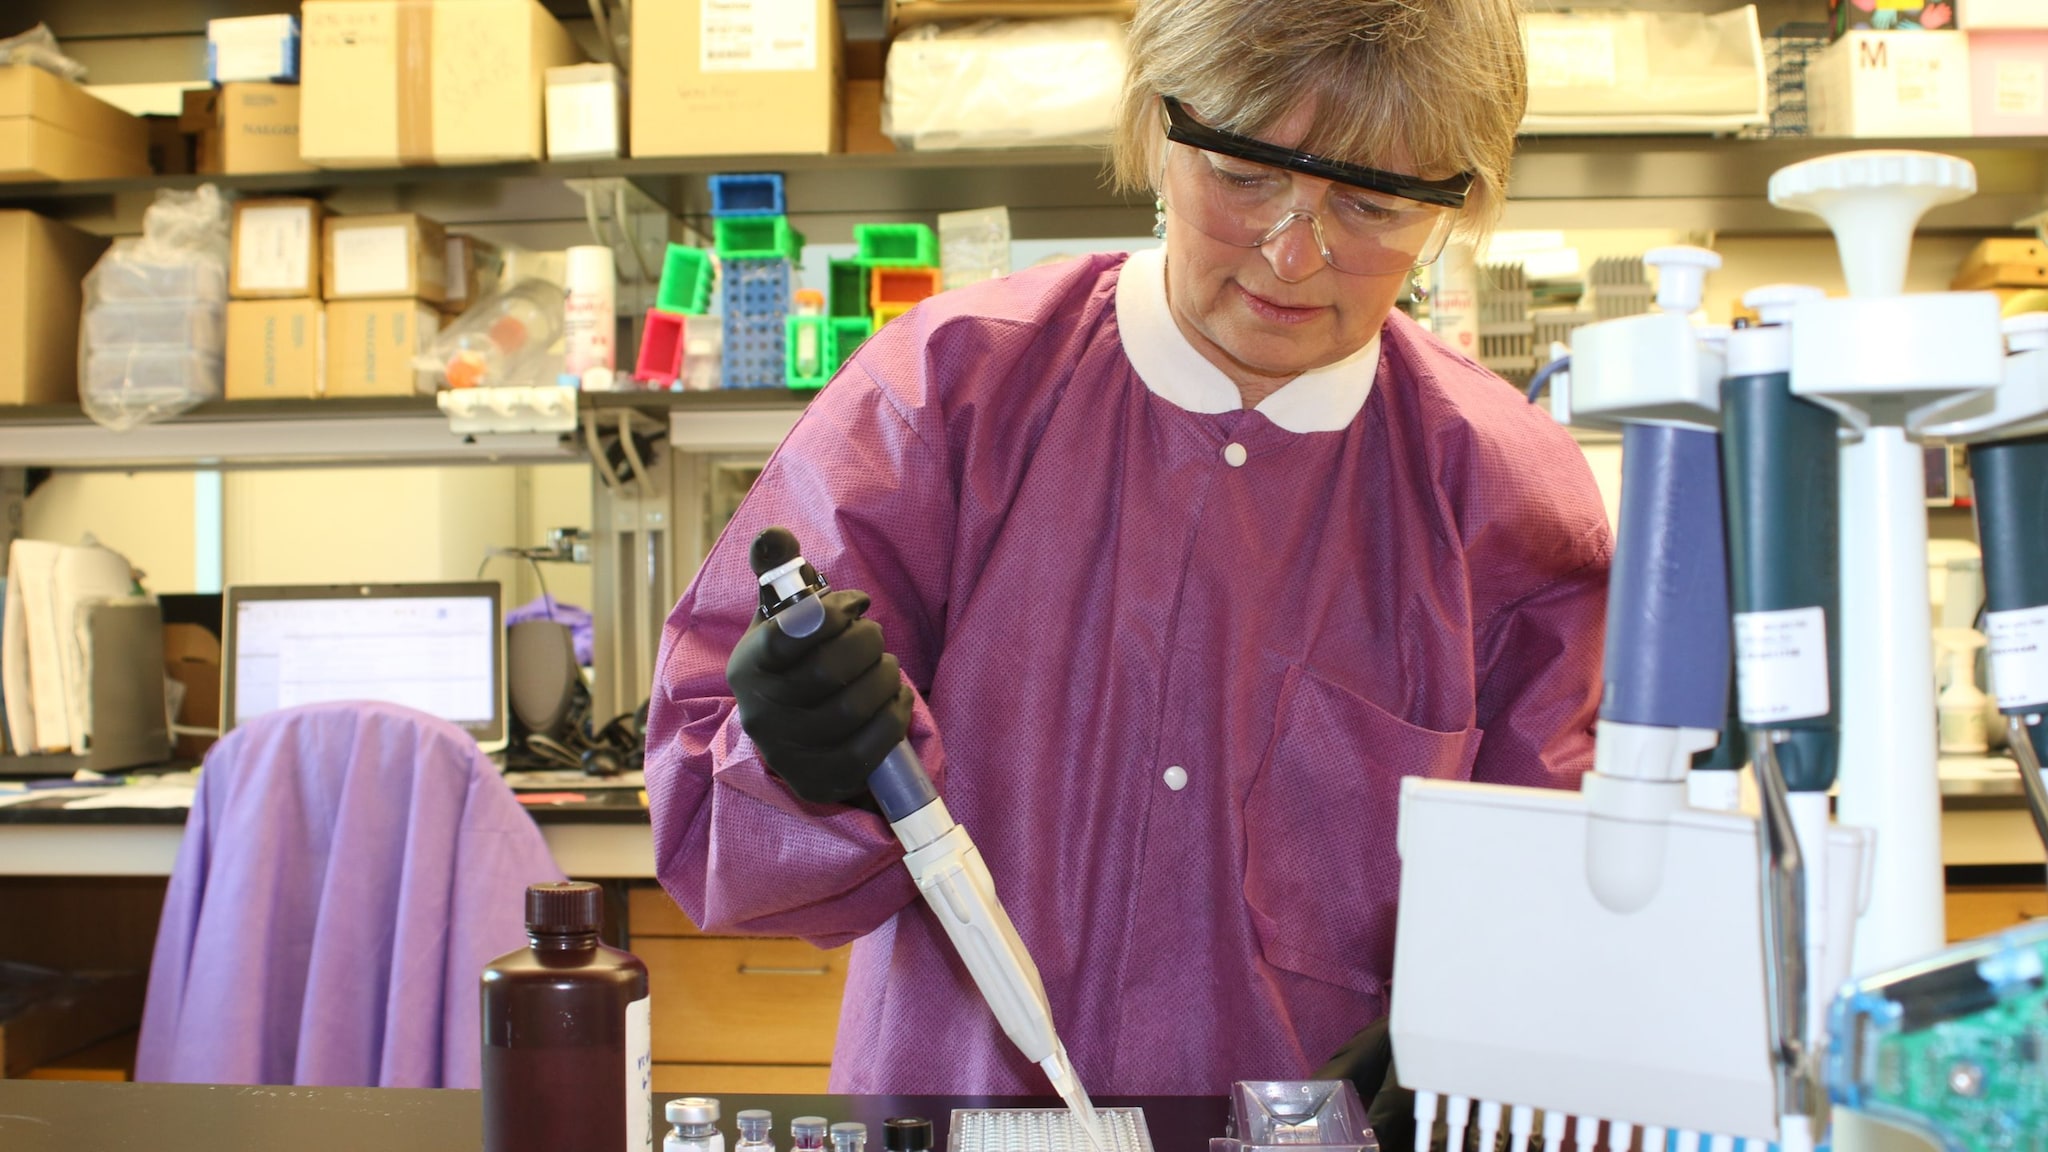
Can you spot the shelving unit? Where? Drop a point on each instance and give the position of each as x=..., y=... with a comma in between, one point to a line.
x=1690, y=183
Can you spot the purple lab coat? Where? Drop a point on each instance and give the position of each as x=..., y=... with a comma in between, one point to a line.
x=346, y=873
x=1092, y=586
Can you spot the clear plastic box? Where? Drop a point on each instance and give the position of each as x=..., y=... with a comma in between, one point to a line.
x=134, y=279
x=146, y=374
x=1299, y=1115
x=183, y=325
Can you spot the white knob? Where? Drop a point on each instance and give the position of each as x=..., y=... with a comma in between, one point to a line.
x=2026, y=332
x=1773, y=303
x=1681, y=276
x=1872, y=201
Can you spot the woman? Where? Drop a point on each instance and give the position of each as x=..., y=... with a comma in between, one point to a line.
x=1188, y=559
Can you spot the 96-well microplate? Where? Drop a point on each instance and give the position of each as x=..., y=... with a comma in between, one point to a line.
x=1044, y=1130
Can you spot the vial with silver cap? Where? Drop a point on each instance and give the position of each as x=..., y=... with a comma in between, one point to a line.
x=807, y=1134
x=756, y=1127
x=694, y=1126
x=849, y=1136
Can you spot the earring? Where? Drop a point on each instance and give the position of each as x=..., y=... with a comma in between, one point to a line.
x=1417, y=290
x=1158, y=219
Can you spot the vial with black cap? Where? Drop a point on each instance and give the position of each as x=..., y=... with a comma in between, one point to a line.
x=907, y=1134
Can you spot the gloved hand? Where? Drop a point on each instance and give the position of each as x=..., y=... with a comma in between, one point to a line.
x=1367, y=1060
x=823, y=709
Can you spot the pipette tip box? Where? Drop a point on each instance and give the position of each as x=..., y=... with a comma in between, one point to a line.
x=1044, y=1130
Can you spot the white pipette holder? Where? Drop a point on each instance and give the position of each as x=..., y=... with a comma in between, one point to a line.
x=1884, y=362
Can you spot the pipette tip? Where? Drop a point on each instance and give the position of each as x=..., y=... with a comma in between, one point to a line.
x=1060, y=1071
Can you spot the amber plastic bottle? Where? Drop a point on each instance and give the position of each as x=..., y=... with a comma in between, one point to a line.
x=566, y=1060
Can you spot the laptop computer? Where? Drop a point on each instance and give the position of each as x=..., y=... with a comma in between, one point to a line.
x=439, y=648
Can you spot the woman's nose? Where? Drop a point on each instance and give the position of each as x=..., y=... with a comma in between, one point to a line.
x=1295, y=252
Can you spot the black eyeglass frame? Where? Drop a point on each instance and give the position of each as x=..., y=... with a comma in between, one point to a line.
x=1183, y=128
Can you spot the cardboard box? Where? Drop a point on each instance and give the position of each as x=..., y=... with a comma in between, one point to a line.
x=910, y=13
x=171, y=149
x=250, y=129
x=277, y=249
x=474, y=268
x=263, y=49
x=397, y=254
x=729, y=87
x=192, y=658
x=1987, y=15
x=585, y=112
x=41, y=265
x=1891, y=84
x=51, y=129
x=371, y=343
x=276, y=350
x=864, y=118
x=426, y=81
x=2009, y=83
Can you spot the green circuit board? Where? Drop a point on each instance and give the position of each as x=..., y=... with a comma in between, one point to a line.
x=1956, y=1046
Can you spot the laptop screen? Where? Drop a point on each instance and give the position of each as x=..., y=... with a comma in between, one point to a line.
x=437, y=648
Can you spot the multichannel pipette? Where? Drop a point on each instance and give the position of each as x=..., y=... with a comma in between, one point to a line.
x=948, y=868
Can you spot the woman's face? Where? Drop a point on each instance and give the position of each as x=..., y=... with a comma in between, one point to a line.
x=1266, y=315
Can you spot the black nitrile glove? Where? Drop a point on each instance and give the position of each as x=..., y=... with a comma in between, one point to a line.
x=1367, y=1060
x=824, y=709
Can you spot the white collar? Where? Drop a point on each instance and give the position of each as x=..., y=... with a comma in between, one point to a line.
x=1323, y=400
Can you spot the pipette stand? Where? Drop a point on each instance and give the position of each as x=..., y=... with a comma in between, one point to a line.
x=1880, y=359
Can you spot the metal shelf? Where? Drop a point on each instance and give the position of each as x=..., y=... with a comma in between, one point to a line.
x=346, y=433
x=1685, y=182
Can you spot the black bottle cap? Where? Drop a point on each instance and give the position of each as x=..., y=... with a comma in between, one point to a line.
x=907, y=1134
x=564, y=909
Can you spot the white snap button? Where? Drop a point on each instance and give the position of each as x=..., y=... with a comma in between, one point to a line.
x=1234, y=455
x=1176, y=777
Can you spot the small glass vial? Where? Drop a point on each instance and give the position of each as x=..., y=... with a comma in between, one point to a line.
x=695, y=1121
x=907, y=1134
x=755, y=1126
x=849, y=1136
x=807, y=1134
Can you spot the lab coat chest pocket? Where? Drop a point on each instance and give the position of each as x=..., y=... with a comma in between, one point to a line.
x=1321, y=873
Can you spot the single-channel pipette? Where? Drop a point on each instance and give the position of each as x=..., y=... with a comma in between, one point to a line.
x=948, y=868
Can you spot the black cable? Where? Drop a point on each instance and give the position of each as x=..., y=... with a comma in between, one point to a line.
x=546, y=601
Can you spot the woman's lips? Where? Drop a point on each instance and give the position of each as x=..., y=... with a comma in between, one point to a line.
x=1276, y=312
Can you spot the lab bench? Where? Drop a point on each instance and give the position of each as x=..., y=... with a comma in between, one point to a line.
x=37, y=1116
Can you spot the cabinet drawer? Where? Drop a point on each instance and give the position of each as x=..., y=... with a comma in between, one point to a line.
x=649, y=912
x=743, y=1001
x=1974, y=912
x=741, y=1079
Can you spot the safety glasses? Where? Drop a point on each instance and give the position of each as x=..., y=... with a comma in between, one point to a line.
x=1246, y=192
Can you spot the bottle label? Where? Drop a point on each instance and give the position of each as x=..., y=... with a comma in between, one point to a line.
x=2019, y=656
x=1781, y=665
x=639, y=1077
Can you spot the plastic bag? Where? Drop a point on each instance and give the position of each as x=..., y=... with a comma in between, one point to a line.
x=153, y=335
x=38, y=47
x=503, y=341
x=1001, y=83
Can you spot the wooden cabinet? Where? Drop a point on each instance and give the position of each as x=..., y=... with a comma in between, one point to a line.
x=1974, y=912
x=734, y=1014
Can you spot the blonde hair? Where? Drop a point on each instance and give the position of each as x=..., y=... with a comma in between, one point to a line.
x=1435, y=87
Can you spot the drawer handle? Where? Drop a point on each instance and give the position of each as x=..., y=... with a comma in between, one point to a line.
x=757, y=970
